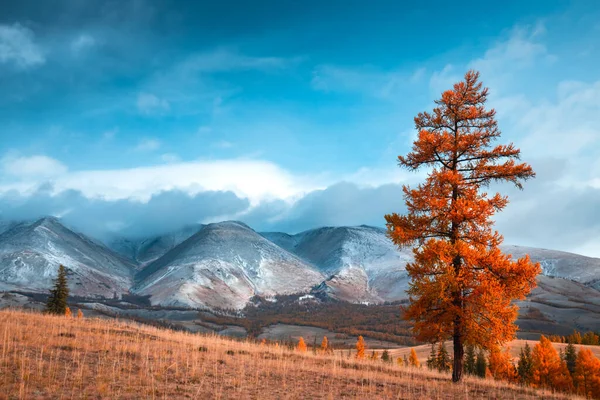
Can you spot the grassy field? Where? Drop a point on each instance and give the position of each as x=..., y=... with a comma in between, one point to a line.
x=514, y=346
x=47, y=357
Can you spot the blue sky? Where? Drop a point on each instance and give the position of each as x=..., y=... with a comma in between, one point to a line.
x=141, y=116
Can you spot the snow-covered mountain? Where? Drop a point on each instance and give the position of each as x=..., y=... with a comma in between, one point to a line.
x=144, y=251
x=560, y=264
x=30, y=253
x=224, y=265
x=362, y=263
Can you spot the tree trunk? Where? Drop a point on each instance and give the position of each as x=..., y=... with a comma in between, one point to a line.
x=457, y=366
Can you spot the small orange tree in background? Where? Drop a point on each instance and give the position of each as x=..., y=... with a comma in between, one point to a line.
x=548, y=370
x=413, y=360
x=301, y=345
x=501, y=366
x=360, y=348
x=587, y=374
x=462, y=285
x=324, y=345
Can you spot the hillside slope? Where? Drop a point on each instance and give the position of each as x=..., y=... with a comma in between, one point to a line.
x=45, y=356
x=223, y=266
x=361, y=262
x=31, y=252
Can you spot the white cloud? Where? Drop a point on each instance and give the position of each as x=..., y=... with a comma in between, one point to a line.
x=444, y=79
x=252, y=179
x=17, y=46
x=522, y=49
x=565, y=127
x=32, y=167
x=222, y=144
x=148, y=145
x=170, y=158
x=368, y=80
x=224, y=60
x=82, y=43
x=148, y=104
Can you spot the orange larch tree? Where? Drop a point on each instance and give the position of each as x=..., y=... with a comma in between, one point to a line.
x=462, y=286
x=548, y=370
x=501, y=366
x=324, y=345
x=301, y=345
x=587, y=374
x=413, y=359
x=360, y=348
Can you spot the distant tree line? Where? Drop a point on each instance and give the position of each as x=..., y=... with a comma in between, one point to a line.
x=588, y=338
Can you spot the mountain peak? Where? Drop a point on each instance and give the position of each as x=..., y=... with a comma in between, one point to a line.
x=48, y=221
x=229, y=225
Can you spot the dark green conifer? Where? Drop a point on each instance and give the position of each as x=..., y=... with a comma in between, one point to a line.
x=57, y=301
x=470, y=360
x=571, y=358
x=443, y=358
x=480, y=365
x=525, y=365
x=432, y=360
x=385, y=356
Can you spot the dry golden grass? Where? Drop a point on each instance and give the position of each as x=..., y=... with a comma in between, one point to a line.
x=45, y=356
x=514, y=346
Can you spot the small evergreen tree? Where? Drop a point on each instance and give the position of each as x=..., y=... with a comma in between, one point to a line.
x=470, y=360
x=57, y=301
x=405, y=361
x=385, y=356
x=374, y=356
x=525, y=365
x=443, y=358
x=432, y=359
x=480, y=365
x=571, y=358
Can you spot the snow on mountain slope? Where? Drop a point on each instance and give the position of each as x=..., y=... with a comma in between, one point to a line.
x=31, y=252
x=560, y=264
x=338, y=251
x=223, y=266
x=341, y=251
x=146, y=250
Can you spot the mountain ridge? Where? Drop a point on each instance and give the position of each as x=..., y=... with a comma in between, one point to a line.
x=222, y=265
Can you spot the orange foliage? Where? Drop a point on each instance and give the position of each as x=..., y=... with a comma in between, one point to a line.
x=79, y=314
x=501, y=366
x=68, y=312
x=587, y=374
x=324, y=344
x=462, y=285
x=413, y=360
x=360, y=347
x=549, y=371
x=301, y=345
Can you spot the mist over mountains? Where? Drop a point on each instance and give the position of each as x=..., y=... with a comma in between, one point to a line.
x=225, y=264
